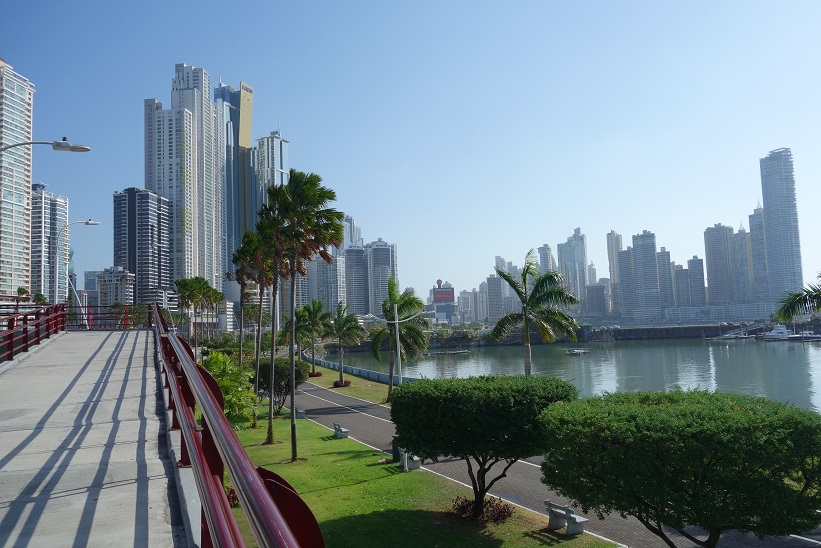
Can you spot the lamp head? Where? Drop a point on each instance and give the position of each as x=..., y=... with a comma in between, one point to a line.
x=68, y=147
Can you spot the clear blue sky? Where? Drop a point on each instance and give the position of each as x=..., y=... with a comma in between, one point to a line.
x=457, y=130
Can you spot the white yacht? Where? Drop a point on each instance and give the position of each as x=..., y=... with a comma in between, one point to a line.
x=778, y=333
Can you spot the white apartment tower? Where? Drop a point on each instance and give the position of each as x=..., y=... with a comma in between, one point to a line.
x=381, y=257
x=16, y=97
x=49, y=244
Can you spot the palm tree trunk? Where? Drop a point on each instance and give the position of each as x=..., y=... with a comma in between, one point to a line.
x=528, y=357
x=341, y=366
x=291, y=356
x=269, y=439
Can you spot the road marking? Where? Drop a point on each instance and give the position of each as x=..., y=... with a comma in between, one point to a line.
x=346, y=407
x=347, y=396
x=807, y=539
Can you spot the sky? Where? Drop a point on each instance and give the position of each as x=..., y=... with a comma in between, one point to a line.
x=460, y=131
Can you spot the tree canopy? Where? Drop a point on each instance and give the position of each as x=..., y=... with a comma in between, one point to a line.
x=484, y=420
x=688, y=458
x=806, y=301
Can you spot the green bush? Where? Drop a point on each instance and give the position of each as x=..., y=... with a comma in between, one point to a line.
x=282, y=378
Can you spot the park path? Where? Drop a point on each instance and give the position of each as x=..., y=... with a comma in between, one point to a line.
x=82, y=456
x=370, y=423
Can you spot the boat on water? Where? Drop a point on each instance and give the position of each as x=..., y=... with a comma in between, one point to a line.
x=805, y=335
x=575, y=351
x=778, y=333
x=446, y=352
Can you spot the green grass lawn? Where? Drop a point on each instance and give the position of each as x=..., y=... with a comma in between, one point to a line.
x=362, y=388
x=360, y=501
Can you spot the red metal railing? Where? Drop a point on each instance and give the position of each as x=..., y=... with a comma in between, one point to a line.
x=19, y=331
x=275, y=512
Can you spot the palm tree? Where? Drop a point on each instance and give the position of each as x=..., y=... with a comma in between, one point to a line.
x=309, y=228
x=542, y=297
x=243, y=259
x=274, y=263
x=806, y=301
x=346, y=329
x=22, y=296
x=318, y=319
x=39, y=299
x=412, y=338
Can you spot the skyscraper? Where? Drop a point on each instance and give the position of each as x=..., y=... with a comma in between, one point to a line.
x=717, y=259
x=664, y=265
x=545, y=259
x=16, y=98
x=758, y=256
x=741, y=267
x=781, y=223
x=49, y=244
x=573, y=262
x=381, y=258
x=613, y=248
x=185, y=163
x=648, y=307
x=698, y=293
x=356, y=280
x=142, y=240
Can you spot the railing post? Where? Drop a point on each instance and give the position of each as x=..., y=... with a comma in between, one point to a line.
x=25, y=332
x=10, y=343
x=125, y=318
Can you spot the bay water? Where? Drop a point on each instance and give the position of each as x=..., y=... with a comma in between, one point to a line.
x=787, y=371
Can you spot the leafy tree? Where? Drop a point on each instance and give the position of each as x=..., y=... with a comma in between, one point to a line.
x=806, y=301
x=346, y=329
x=542, y=297
x=318, y=321
x=688, y=458
x=282, y=380
x=310, y=226
x=483, y=420
x=39, y=299
x=234, y=382
x=412, y=338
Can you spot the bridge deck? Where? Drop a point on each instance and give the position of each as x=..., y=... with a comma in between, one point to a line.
x=82, y=457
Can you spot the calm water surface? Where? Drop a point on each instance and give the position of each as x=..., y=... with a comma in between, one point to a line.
x=785, y=371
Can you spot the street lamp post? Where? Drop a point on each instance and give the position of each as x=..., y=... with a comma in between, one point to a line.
x=396, y=321
x=87, y=222
x=63, y=145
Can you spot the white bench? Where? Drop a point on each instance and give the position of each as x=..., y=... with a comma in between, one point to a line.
x=340, y=432
x=408, y=461
x=559, y=516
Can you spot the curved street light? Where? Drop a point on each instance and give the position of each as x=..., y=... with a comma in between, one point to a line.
x=396, y=324
x=63, y=145
x=87, y=222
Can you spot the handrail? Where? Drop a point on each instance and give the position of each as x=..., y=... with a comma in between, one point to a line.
x=214, y=445
x=29, y=328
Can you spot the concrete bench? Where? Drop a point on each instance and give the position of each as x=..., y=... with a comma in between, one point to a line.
x=408, y=461
x=559, y=516
x=300, y=413
x=340, y=432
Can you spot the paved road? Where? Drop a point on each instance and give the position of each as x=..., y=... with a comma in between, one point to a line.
x=82, y=456
x=370, y=423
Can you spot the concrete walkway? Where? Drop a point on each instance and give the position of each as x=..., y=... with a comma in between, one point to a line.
x=370, y=423
x=82, y=456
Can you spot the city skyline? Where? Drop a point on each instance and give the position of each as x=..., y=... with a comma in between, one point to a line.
x=607, y=118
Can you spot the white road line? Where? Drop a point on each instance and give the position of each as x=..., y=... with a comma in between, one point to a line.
x=346, y=407
x=807, y=539
x=354, y=397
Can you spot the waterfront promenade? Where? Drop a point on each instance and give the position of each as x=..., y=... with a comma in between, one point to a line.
x=83, y=460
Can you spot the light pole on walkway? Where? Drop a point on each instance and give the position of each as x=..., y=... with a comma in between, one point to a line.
x=396, y=321
x=87, y=222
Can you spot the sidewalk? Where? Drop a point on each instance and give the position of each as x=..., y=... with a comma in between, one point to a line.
x=370, y=423
x=81, y=461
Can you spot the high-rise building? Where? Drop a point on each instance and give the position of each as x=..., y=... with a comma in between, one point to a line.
x=648, y=307
x=185, y=163
x=717, y=259
x=16, y=98
x=115, y=285
x=191, y=90
x=758, y=256
x=698, y=293
x=681, y=283
x=241, y=196
x=495, y=301
x=783, y=243
x=667, y=296
x=546, y=262
x=331, y=287
x=573, y=263
x=49, y=244
x=591, y=274
x=613, y=248
x=142, y=240
x=381, y=258
x=356, y=280
x=741, y=267
x=627, y=282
